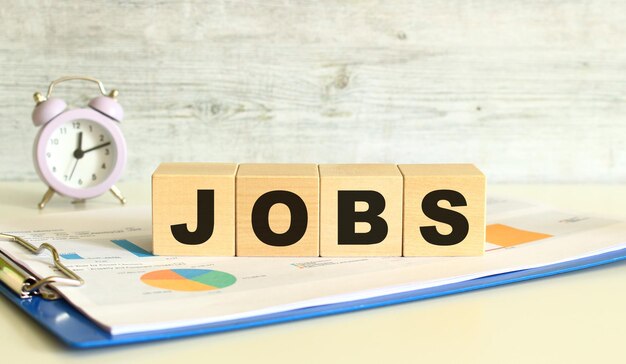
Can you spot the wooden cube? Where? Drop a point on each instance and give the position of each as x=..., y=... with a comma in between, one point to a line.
x=277, y=210
x=444, y=210
x=193, y=209
x=361, y=210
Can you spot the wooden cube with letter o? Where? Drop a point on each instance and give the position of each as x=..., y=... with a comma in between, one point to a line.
x=277, y=210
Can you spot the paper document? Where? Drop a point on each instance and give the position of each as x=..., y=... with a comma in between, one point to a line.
x=129, y=290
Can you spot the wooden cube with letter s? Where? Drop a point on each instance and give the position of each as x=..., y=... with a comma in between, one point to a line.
x=193, y=209
x=444, y=210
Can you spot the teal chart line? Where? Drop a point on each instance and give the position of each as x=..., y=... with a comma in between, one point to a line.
x=71, y=256
x=132, y=248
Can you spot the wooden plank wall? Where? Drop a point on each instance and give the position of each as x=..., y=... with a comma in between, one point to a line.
x=530, y=91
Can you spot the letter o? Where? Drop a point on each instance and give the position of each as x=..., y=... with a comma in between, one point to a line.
x=260, y=218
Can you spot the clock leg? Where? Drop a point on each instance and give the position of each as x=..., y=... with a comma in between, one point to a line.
x=46, y=198
x=118, y=194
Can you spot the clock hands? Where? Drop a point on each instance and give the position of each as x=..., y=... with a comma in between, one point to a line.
x=73, y=169
x=79, y=153
x=97, y=147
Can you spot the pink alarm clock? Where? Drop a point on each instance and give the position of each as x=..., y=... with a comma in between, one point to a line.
x=79, y=153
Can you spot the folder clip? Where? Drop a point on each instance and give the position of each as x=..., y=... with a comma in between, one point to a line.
x=25, y=284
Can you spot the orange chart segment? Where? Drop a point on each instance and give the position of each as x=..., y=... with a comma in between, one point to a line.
x=178, y=285
x=162, y=275
x=507, y=236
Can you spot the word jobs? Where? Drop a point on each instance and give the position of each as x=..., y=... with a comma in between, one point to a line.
x=222, y=209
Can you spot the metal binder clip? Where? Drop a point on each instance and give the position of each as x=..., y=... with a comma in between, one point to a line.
x=25, y=284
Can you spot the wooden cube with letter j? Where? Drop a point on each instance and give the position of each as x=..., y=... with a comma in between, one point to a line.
x=193, y=209
x=361, y=210
x=444, y=210
x=277, y=210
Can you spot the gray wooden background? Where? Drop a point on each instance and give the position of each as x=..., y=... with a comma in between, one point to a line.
x=530, y=91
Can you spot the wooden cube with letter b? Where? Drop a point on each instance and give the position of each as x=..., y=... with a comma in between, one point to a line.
x=444, y=210
x=277, y=210
x=361, y=210
x=193, y=209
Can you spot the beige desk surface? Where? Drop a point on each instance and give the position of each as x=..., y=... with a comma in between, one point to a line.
x=577, y=317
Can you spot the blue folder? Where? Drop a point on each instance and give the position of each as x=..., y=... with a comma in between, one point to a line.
x=78, y=331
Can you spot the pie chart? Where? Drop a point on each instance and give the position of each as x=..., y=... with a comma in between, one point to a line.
x=188, y=280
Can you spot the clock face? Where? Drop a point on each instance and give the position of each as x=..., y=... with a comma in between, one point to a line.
x=80, y=153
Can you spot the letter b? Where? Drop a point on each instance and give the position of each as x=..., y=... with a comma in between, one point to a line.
x=347, y=218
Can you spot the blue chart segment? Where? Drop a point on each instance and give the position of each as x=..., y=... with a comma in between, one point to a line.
x=132, y=248
x=71, y=256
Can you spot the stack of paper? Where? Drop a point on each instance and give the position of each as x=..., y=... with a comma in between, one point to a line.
x=129, y=290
